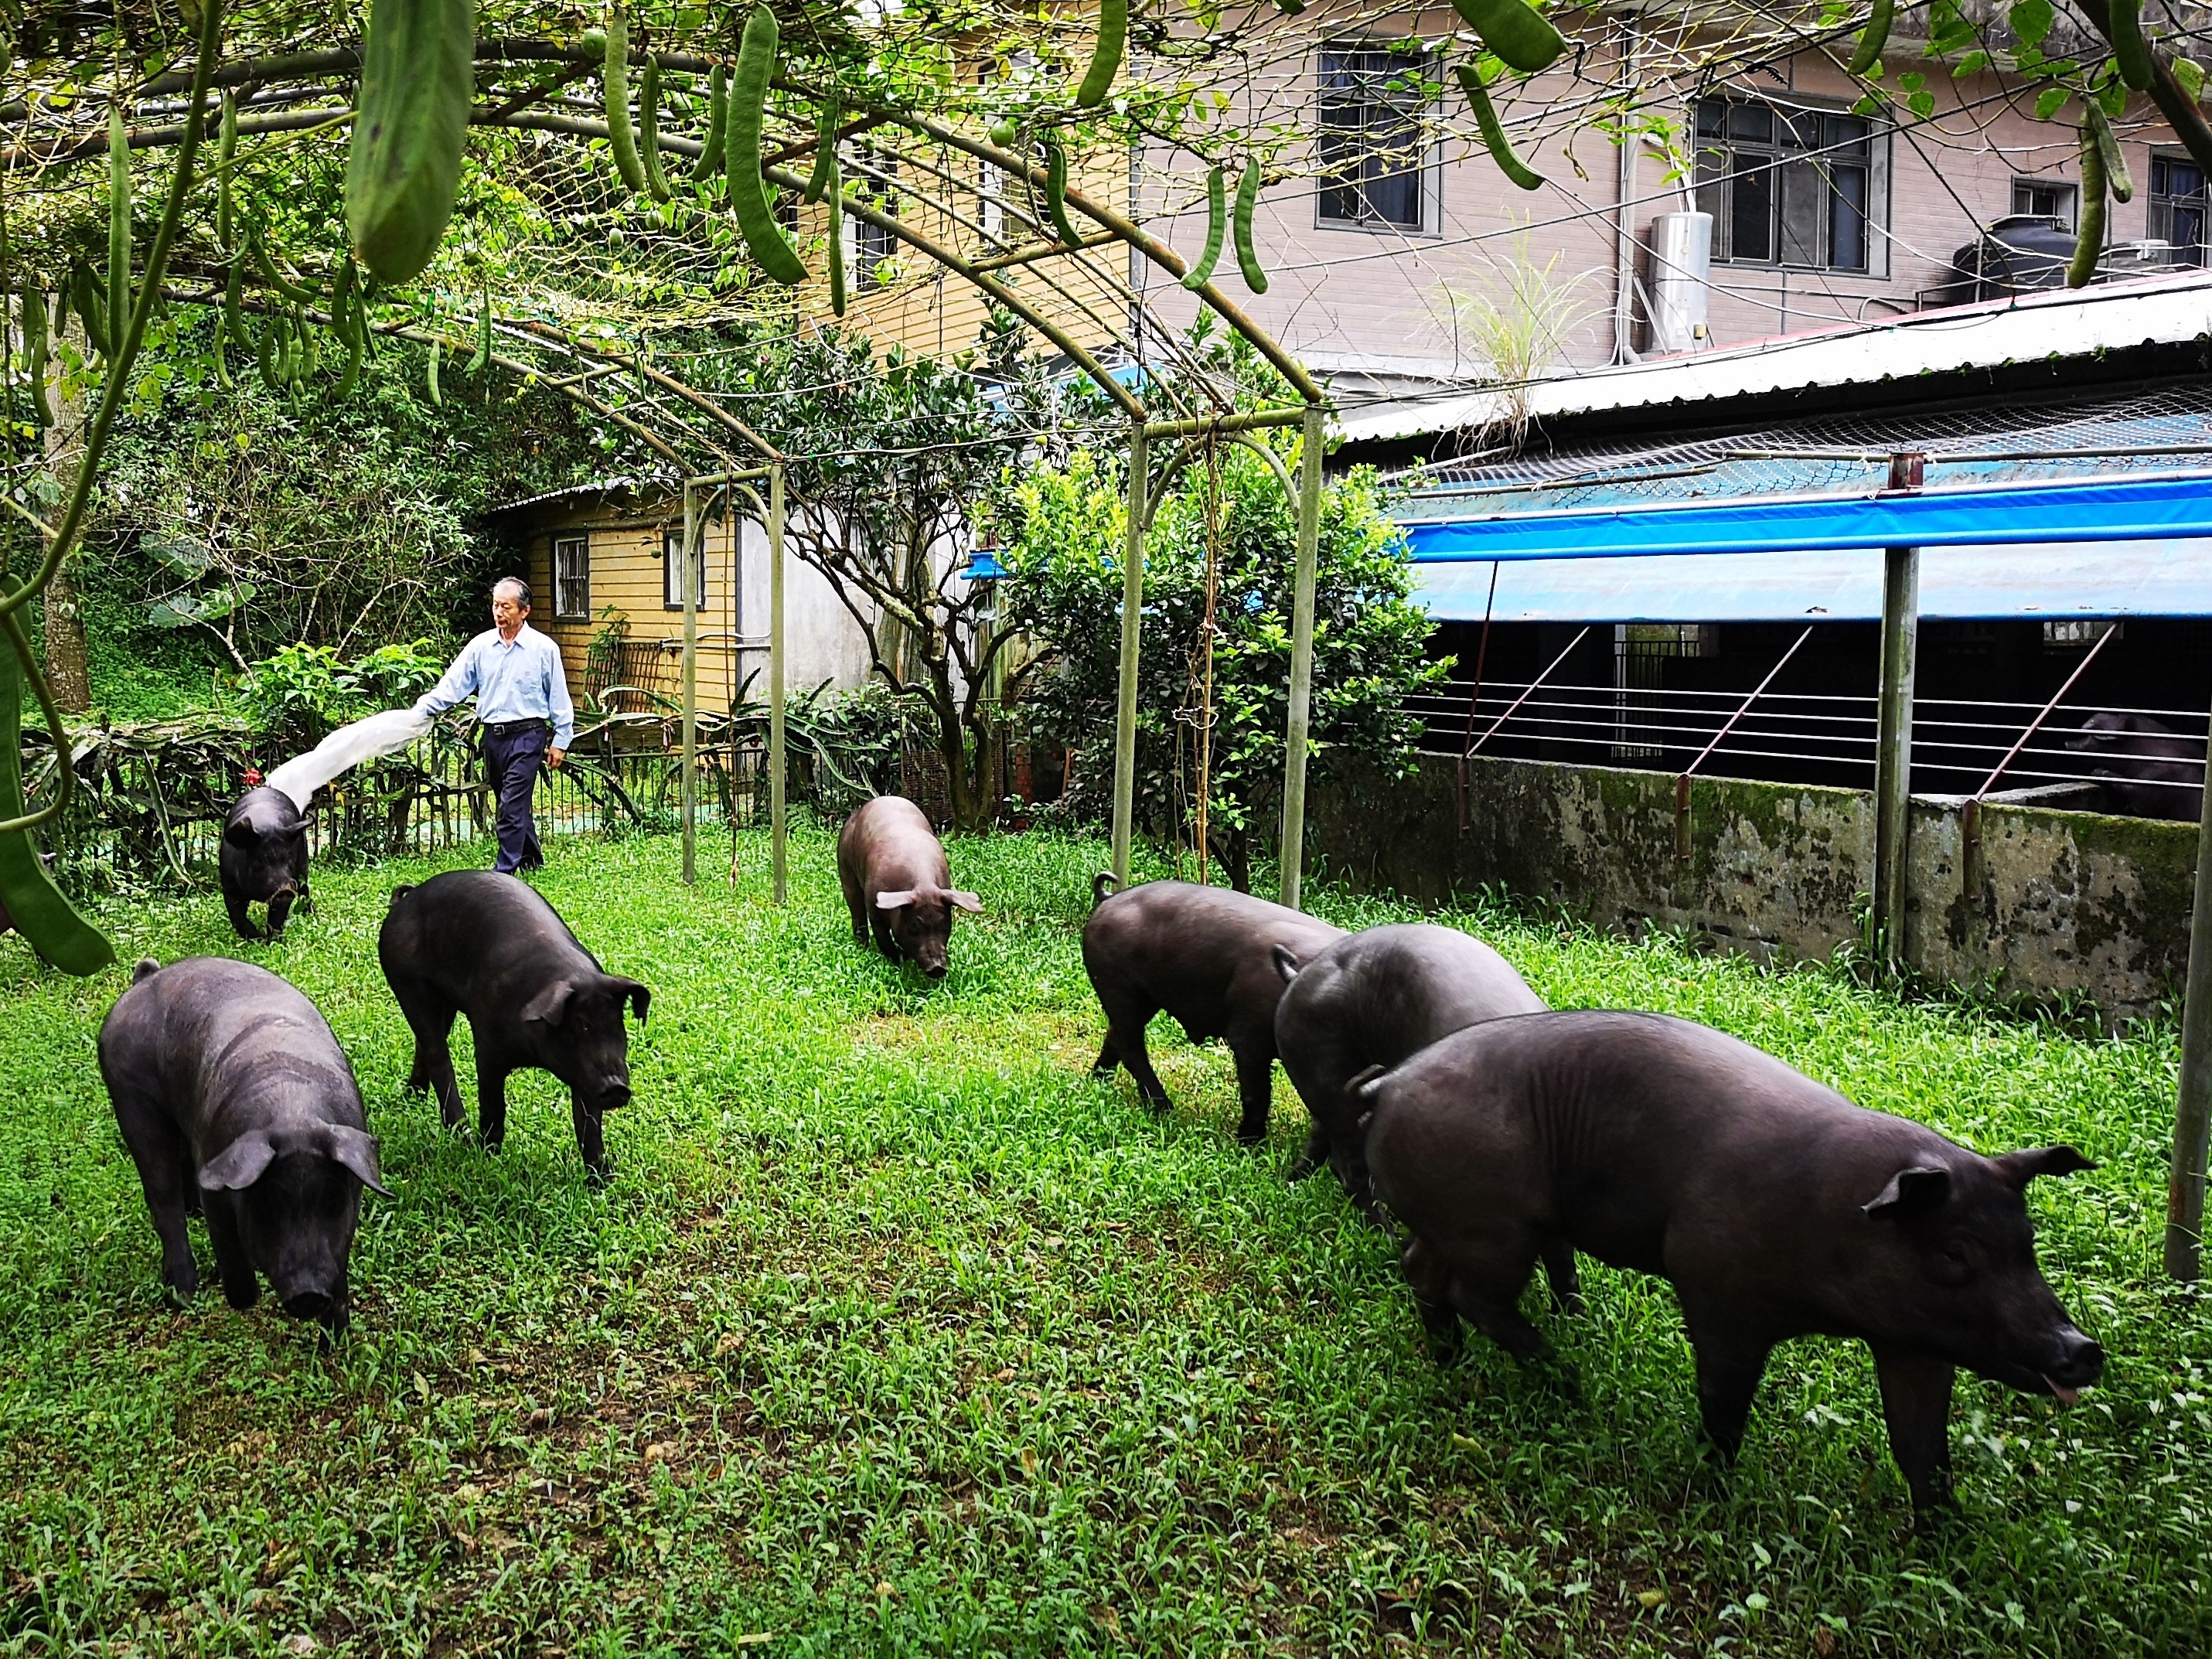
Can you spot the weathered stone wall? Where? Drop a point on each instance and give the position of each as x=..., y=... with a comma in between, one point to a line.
x=2070, y=902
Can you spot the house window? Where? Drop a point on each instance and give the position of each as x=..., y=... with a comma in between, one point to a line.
x=2042, y=198
x=1789, y=186
x=1375, y=174
x=2177, y=207
x=572, y=577
x=671, y=568
x=873, y=247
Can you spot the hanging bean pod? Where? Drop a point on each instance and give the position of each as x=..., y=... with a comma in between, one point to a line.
x=35, y=348
x=437, y=398
x=1248, y=257
x=1493, y=131
x=2108, y=152
x=2089, y=236
x=718, y=118
x=1217, y=230
x=835, y=193
x=91, y=308
x=1105, y=55
x=2131, y=52
x=37, y=909
x=118, y=226
x=825, y=151
x=615, y=77
x=417, y=80
x=1055, y=194
x=225, y=152
x=1518, y=33
x=748, y=192
x=648, y=129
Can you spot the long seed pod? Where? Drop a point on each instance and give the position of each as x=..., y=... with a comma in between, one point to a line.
x=718, y=117
x=35, y=348
x=342, y=293
x=265, y=353
x=1493, y=131
x=2108, y=151
x=309, y=356
x=46, y=920
x=825, y=150
x=1524, y=37
x=1055, y=194
x=226, y=152
x=835, y=193
x=1874, y=37
x=417, y=77
x=1248, y=257
x=2131, y=52
x=748, y=193
x=648, y=129
x=91, y=308
x=482, y=359
x=118, y=222
x=437, y=398
x=1105, y=55
x=1216, y=229
x=298, y=293
x=615, y=77
x=353, y=335
x=234, y=313
x=2089, y=237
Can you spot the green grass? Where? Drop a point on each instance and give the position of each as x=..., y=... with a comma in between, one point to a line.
x=894, y=1332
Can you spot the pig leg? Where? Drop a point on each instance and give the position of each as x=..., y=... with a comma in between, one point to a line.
x=1125, y=1045
x=1488, y=1274
x=234, y=904
x=856, y=904
x=1915, y=1401
x=1256, y=1089
x=590, y=1142
x=1729, y=1365
x=1431, y=1284
x=491, y=1099
x=431, y=1020
x=280, y=908
x=172, y=1188
x=1315, y=1154
x=1560, y=1269
x=240, y=1287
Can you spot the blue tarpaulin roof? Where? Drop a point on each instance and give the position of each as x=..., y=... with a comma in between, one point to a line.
x=2095, y=509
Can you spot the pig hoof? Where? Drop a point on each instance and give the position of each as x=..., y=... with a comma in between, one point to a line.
x=178, y=1296
x=1301, y=1167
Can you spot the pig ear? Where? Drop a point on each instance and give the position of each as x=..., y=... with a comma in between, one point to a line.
x=640, y=998
x=238, y=1165
x=357, y=1151
x=297, y=831
x=897, y=900
x=1286, y=962
x=967, y=901
x=550, y=1004
x=1909, y=1191
x=2021, y=1167
x=240, y=834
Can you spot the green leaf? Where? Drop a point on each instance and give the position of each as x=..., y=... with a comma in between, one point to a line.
x=2048, y=100
x=2191, y=74
x=1912, y=80
x=1973, y=63
x=1922, y=104
x=2031, y=20
x=2113, y=97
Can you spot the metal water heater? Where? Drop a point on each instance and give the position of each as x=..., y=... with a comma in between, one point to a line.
x=1680, y=282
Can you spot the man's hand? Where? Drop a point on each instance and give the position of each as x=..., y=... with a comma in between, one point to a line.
x=555, y=756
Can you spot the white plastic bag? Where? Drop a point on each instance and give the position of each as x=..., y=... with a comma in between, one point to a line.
x=346, y=749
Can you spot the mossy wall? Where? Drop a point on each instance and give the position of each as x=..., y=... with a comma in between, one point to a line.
x=2070, y=903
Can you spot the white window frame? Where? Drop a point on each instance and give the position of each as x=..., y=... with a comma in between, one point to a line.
x=1430, y=166
x=671, y=543
x=581, y=541
x=1879, y=159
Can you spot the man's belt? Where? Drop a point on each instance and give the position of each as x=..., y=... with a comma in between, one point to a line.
x=509, y=728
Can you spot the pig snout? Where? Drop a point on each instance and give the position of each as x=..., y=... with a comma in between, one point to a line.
x=2078, y=1364
x=931, y=959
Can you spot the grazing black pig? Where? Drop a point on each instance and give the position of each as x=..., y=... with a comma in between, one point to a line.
x=264, y=859
x=1205, y=955
x=233, y=1096
x=2154, y=771
x=1774, y=1207
x=897, y=882
x=486, y=945
x=1372, y=999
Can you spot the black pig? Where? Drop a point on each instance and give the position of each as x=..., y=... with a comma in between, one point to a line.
x=897, y=882
x=1372, y=999
x=233, y=1096
x=1775, y=1207
x=2155, y=772
x=485, y=945
x=1205, y=955
x=264, y=859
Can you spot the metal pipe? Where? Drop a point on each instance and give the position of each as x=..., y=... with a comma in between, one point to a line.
x=2192, y=1108
x=1971, y=816
x=778, y=846
x=1302, y=634
x=688, y=554
x=1125, y=710
x=1682, y=782
x=1474, y=698
x=1530, y=691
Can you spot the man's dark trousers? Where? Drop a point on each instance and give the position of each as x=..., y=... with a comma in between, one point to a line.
x=513, y=753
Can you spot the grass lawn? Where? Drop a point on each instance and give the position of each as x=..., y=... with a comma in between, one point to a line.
x=894, y=1332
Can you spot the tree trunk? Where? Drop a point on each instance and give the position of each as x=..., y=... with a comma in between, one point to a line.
x=67, y=670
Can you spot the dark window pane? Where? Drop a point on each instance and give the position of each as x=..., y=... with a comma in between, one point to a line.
x=1804, y=192
x=1754, y=122
x=1371, y=138
x=1751, y=210
x=1844, y=137
x=1847, y=219
x=1712, y=119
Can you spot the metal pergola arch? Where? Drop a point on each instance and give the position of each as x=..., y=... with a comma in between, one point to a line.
x=674, y=438
x=1899, y=520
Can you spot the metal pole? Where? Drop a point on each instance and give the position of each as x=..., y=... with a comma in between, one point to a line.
x=2184, y=1200
x=779, y=849
x=1302, y=633
x=690, y=556
x=1892, y=758
x=1125, y=712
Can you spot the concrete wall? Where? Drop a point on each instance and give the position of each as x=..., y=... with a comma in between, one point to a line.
x=2070, y=902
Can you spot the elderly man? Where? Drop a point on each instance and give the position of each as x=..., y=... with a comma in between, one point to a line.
x=522, y=700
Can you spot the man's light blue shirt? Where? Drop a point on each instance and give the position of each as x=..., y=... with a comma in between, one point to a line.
x=522, y=681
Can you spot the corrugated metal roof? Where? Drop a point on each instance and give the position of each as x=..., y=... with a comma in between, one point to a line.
x=2104, y=579
x=597, y=487
x=2024, y=328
